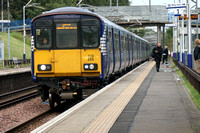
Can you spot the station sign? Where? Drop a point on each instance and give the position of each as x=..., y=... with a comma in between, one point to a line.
x=198, y=4
x=176, y=5
x=192, y=16
x=4, y=21
x=1, y=50
x=170, y=25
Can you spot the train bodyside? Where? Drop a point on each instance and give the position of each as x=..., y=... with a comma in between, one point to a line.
x=64, y=71
x=125, y=50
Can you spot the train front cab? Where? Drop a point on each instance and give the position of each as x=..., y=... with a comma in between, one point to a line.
x=66, y=55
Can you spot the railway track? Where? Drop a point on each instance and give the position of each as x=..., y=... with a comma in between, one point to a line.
x=17, y=96
x=33, y=123
x=24, y=126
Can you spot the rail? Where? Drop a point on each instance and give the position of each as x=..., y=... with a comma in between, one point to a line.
x=192, y=76
x=16, y=96
x=19, y=127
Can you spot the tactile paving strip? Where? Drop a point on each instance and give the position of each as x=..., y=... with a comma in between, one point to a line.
x=106, y=119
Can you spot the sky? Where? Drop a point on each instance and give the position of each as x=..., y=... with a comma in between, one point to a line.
x=153, y=2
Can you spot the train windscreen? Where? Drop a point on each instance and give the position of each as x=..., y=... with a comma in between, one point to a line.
x=90, y=33
x=66, y=35
x=43, y=34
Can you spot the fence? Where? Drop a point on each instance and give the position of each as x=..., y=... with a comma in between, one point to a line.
x=17, y=24
x=192, y=76
x=11, y=62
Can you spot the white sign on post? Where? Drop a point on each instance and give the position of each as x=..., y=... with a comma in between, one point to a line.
x=170, y=25
x=198, y=4
x=176, y=5
x=4, y=21
x=2, y=52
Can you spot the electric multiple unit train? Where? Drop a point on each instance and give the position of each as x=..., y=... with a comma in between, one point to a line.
x=73, y=48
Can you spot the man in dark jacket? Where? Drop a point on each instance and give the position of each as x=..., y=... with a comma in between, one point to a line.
x=157, y=54
x=165, y=55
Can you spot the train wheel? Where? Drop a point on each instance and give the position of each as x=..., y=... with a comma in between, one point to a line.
x=54, y=100
x=58, y=102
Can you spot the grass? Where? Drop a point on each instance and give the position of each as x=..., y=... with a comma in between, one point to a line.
x=16, y=45
x=193, y=92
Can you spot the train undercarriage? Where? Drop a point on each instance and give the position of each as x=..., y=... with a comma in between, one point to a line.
x=62, y=89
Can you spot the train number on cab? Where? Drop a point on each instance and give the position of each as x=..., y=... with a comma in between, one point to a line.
x=90, y=57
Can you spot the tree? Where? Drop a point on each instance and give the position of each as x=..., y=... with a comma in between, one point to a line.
x=16, y=6
x=169, y=38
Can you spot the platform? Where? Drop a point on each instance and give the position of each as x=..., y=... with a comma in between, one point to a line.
x=11, y=71
x=141, y=101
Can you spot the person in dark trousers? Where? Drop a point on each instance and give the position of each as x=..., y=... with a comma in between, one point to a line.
x=165, y=55
x=157, y=55
x=197, y=55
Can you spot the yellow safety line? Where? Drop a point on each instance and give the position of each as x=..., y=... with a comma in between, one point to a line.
x=106, y=119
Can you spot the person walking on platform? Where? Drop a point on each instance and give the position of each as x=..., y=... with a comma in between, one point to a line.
x=157, y=55
x=197, y=55
x=165, y=55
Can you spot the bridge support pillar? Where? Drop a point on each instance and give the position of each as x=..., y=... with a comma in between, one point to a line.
x=158, y=34
x=163, y=41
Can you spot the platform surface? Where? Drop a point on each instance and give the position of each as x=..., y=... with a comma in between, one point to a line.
x=141, y=101
x=10, y=71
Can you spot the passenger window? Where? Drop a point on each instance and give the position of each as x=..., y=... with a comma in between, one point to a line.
x=43, y=38
x=66, y=35
x=90, y=22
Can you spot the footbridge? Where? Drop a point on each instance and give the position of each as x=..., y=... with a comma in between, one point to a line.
x=136, y=16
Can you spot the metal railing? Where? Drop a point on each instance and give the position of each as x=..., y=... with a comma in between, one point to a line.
x=21, y=61
x=17, y=24
x=192, y=76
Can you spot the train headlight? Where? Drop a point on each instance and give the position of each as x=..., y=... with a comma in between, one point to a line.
x=90, y=66
x=44, y=67
x=86, y=66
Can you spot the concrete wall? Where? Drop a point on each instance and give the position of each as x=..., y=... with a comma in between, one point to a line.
x=16, y=81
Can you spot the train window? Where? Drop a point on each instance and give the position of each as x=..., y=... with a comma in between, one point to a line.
x=90, y=36
x=66, y=35
x=43, y=38
x=43, y=23
x=90, y=22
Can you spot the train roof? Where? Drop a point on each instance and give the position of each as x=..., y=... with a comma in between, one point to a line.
x=76, y=10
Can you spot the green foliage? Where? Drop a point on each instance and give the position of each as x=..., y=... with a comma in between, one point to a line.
x=139, y=32
x=169, y=38
x=107, y=2
x=16, y=45
x=16, y=6
x=193, y=92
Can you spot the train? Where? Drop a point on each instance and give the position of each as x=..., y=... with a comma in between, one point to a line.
x=74, y=49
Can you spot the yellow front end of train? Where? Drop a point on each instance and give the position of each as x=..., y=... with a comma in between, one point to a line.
x=71, y=50
x=67, y=63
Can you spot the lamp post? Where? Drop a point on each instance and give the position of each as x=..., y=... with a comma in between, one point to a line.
x=189, y=36
x=24, y=27
x=2, y=13
x=24, y=24
x=8, y=8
